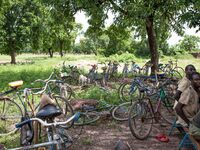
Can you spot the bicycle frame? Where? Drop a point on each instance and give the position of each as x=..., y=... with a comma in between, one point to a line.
x=58, y=140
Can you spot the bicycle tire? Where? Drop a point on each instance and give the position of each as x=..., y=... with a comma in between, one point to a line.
x=87, y=118
x=50, y=137
x=173, y=74
x=10, y=114
x=129, y=91
x=66, y=108
x=120, y=113
x=180, y=70
x=119, y=92
x=166, y=109
x=140, y=112
x=66, y=138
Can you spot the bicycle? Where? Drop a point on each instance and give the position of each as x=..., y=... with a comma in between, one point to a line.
x=69, y=74
x=144, y=111
x=135, y=68
x=91, y=110
x=57, y=137
x=59, y=87
x=12, y=111
x=172, y=69
x=125, y=70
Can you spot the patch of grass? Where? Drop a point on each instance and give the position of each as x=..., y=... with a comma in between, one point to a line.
x=86, y=141
x=10, y=141
x=112, y=124
x=94, y=92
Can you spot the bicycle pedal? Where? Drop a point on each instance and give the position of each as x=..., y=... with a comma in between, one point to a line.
x=41, y=148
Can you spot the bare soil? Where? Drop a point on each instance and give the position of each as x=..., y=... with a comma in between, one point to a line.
x=104, y=135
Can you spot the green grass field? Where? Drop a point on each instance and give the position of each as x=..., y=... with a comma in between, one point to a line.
x=42, y=65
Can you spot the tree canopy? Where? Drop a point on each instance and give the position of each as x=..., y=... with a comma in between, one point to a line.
x=139, y=26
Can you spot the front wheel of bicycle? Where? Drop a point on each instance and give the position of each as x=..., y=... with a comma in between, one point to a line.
x=140, y=119
x=66, y=109
x=67, y=140
x=10, y=114
x=87, y=118
x=120, y=113
x=166, y=109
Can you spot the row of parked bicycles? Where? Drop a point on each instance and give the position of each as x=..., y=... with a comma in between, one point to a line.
x=113, y=71
x=46, y=116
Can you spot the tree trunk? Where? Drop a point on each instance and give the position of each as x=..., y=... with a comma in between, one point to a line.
x=13, y=58
x=12, y=51
x=152, y=43
x=50, y=52
x=61, y=48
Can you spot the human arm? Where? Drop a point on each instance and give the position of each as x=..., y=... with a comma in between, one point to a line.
x=179, y=111
x=177, y=95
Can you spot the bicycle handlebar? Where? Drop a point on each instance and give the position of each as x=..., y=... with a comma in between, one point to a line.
x=46, y=85
x=75, y=117
x=45, y=80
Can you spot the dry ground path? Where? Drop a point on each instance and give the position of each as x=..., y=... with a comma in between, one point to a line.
x=104, y=135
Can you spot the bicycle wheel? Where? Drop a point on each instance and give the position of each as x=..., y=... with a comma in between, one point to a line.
x=140, y=119
x=120, y=112
x=87, y=118
x=66, y=138
x=66, y=108
x=50, y=137
x=119, y=91
x=10, y=114
x=129, y=91
x=166, y=109
x=180, y=70
x=175, y=74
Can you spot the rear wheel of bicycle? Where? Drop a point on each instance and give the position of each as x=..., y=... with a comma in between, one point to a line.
x=180, y=70
x=120, y=112
x=10, y=114
x=66, y=108
x=166, y=109
x=175, y=74
x=129, y=91
x=140, y=119
x=87, y=118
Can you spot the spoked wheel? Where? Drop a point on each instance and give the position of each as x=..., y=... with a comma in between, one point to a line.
x=119, y=91
x=129, y=91
x=120, y=112
x=10, y=114
x=66, y=137
x=66, y=109
x=87, y=118
x=175, y=74
x=166, y=109
x=180, y=70
x=140, y=119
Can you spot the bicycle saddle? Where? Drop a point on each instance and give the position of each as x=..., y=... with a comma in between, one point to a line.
x=48, y=111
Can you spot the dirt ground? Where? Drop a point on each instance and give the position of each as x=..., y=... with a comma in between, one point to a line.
x=104, y=135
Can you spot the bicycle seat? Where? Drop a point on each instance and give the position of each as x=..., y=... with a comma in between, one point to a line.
x=16, y=84
x=48, y=111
